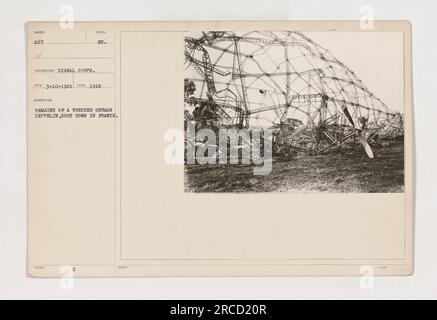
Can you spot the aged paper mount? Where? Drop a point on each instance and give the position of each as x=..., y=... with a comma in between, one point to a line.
x=297, y=154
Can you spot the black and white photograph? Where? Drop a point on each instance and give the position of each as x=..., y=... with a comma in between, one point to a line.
x=218, y=159
x=318, y=111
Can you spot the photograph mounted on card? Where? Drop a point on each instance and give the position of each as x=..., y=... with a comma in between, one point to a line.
x=220, y=148
x=284, y=101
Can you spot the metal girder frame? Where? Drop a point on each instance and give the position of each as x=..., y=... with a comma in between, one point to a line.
x=337, y=90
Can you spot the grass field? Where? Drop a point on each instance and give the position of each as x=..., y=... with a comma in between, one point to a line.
x=349, y=171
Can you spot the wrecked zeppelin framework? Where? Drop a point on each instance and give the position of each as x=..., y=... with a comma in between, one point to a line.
x=284, y=81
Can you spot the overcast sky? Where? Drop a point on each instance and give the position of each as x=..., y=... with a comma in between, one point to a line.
x=376, y=57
